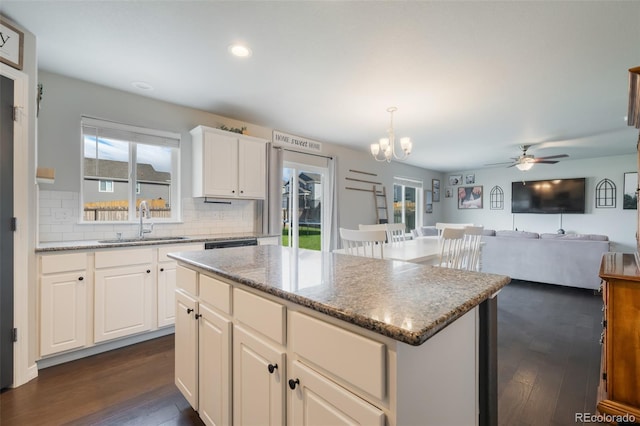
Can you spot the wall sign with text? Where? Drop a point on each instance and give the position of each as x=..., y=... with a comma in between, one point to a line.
x=285, y=139
x=11, y=44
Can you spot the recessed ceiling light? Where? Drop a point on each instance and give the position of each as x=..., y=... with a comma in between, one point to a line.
x=240, y=51
x=142, y=85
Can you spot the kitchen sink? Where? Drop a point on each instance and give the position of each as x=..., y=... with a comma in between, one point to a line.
x=141, y=240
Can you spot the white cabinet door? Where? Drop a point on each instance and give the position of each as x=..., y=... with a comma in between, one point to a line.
x=258, y=381
x=214, y=375
x=167, y=276
x=186, y=348
x=122, y=304
x=319, y=401
x=228, y=165
x=252, y=170
x=63, y=312
x=220, y=165
x=166, y=293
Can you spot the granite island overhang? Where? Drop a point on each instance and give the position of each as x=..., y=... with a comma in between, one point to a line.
x=410, y=304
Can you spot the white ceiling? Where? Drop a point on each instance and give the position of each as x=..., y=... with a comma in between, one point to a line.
x=472, y=80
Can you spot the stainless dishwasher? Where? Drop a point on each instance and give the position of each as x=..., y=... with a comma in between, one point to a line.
x=241, y=242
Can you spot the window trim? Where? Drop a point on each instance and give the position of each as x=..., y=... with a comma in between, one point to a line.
x=108, y=185
x=135, y=135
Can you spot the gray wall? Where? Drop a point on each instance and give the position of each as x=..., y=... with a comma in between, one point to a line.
x=617, y=223
x=67, y=99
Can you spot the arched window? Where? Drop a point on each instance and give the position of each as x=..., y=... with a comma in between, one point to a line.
x=606, y=194
x=496, y=198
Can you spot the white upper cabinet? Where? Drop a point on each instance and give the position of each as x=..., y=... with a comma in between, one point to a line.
x=228, y=165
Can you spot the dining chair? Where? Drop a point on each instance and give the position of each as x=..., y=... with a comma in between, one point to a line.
x=395, y=232
x=451, y=248
x=376, y=227
x=367, y=243
x=440, y=226
x=472, y=247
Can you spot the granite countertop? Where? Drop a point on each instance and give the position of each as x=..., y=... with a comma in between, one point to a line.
x=408, y=302
x=133, y=242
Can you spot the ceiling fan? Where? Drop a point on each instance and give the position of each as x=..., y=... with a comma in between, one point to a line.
x=526, y=161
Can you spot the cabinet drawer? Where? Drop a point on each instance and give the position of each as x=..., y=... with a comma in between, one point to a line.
x=110, y=259
x=163, y=251
x=187, y=280
x=359, y=361
x=215, y=293
x=54, y=263
x=261, y=314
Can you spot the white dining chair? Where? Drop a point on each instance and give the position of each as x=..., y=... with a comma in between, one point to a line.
x=395, y=232
x=376, y=227
x=451, y=248
x=440, y=226
x=367, y=243
x=472, y=247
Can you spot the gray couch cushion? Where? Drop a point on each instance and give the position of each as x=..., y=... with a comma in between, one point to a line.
x=517, y=234
x=585, y=237
x=428, y=231
x=489, y=232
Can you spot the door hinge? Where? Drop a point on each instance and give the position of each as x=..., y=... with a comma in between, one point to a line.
x=14, y=335
x=604, y=376
x=16, y=112
x=14, y=224
x=604, y=323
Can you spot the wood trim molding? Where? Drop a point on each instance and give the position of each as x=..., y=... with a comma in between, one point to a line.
x=618, y=409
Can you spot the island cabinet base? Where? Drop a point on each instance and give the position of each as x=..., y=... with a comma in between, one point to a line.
x=294, y=365
x=436, y=383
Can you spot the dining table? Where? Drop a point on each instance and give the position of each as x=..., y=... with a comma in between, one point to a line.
x=425, y=250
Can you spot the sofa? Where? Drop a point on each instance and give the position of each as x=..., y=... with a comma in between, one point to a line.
x=566, y=259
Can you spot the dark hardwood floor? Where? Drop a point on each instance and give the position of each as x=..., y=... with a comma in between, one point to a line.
x=128, y=386
x=548, y=354
x=548, y=367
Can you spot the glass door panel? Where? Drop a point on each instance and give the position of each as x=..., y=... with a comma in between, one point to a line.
x=302, y=194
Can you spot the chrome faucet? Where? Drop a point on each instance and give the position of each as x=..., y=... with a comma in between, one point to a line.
x=144, y=211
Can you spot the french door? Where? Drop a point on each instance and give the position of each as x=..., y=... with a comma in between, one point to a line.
x=303, y=192
x=407, y=197
x=6, y=233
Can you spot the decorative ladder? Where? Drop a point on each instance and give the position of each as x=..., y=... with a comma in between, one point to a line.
x=377, y=195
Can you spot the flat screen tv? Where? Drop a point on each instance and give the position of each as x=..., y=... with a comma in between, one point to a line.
x=548, y=196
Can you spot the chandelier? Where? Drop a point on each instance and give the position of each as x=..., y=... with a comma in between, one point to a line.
x=387, y=146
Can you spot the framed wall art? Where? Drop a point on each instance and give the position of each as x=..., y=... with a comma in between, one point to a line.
x=435, y=186
x=455, y=180
x=11, y=45
x=470, y=197
x=630, y=194
x=448, y=192
x=428, y=201
x=470, y=179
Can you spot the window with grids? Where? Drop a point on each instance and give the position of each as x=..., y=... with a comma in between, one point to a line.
x=496, y=198
x=606, y=194
x=123, y=165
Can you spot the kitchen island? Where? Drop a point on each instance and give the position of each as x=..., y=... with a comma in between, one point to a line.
x=271, y=334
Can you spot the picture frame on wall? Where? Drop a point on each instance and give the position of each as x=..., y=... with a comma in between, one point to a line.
x=470, y=197
x=448, y=192
x=435, y=186
x=630, y=194
x=455, y=180
x=12, y=45
x=428, y=201
x=470, y=179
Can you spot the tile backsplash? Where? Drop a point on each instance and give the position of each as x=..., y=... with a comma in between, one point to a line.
x=59, y=219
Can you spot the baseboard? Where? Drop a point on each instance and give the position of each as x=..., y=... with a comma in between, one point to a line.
x=102, y=347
